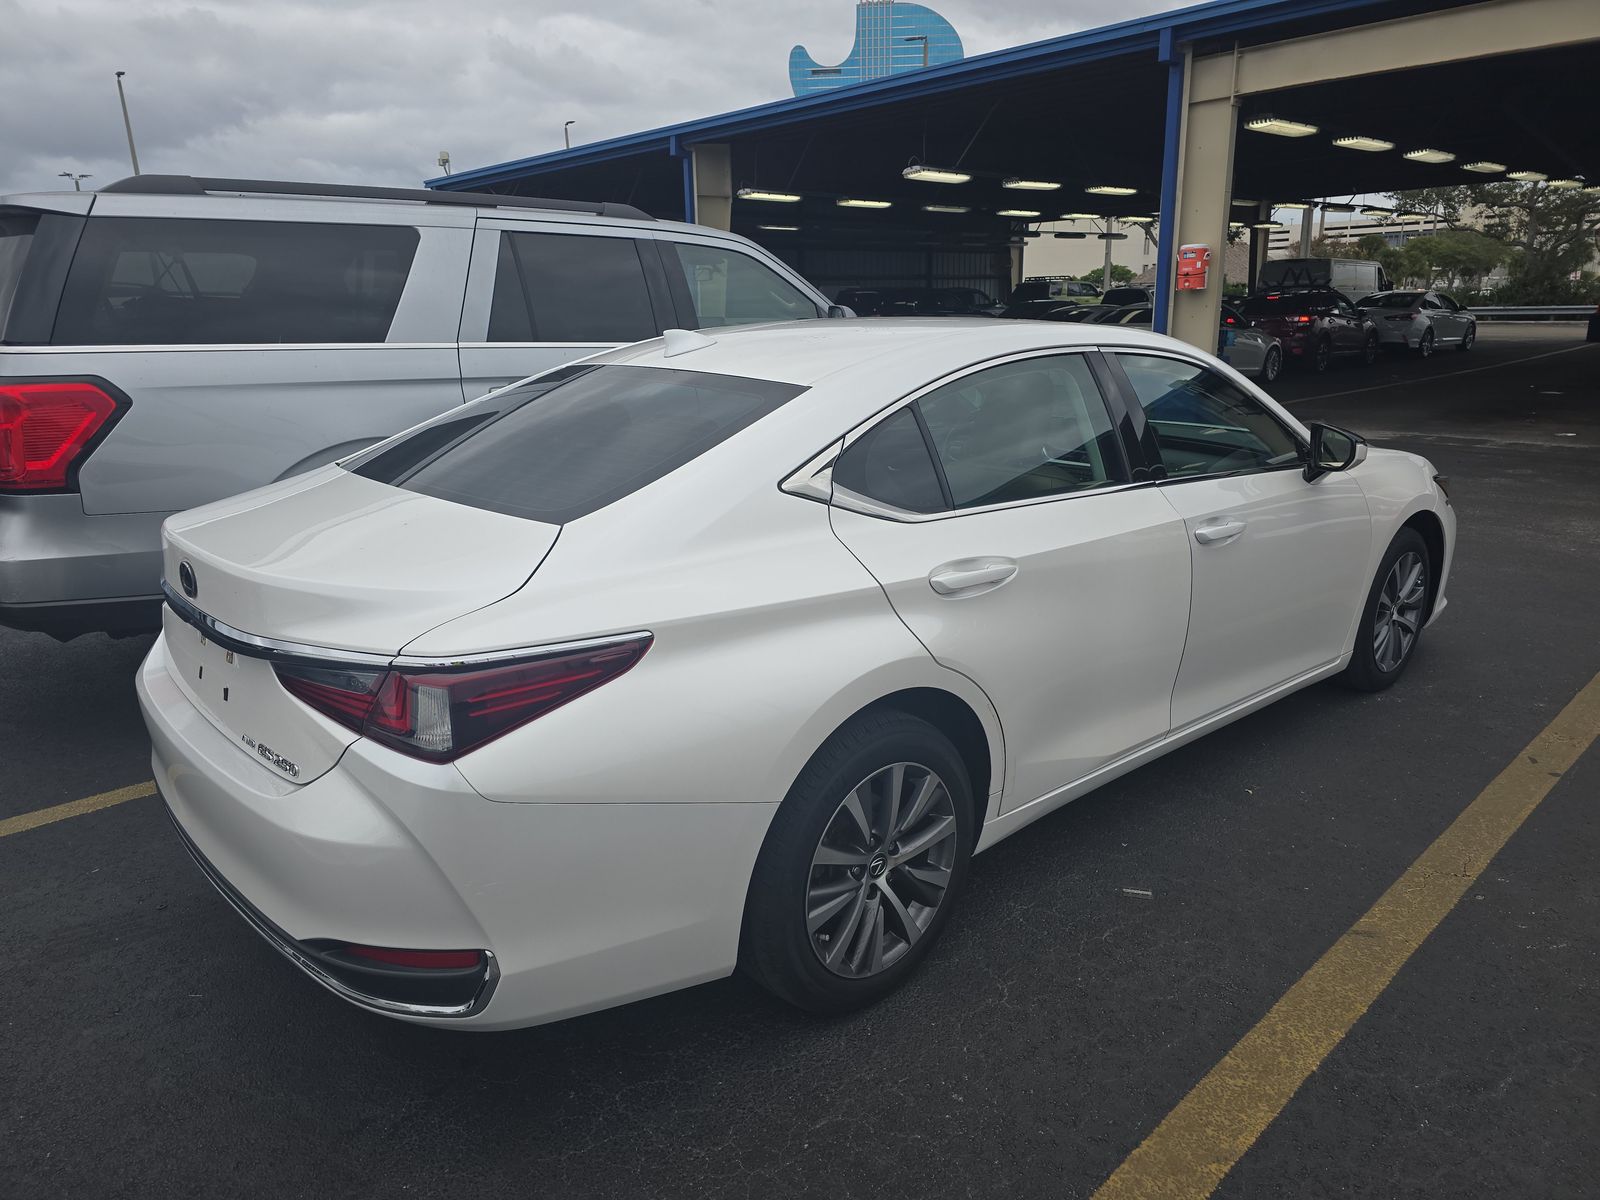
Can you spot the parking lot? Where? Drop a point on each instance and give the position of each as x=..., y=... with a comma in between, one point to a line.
x=1099, y=965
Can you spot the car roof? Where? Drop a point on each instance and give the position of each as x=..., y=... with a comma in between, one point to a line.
x=806, y=352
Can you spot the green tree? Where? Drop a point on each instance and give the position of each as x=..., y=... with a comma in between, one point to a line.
x=1119, y=275
x=1456, y=256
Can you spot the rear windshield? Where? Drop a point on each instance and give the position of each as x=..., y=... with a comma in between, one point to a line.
x=148, y=281
x=572, y=441
x=1391, y=300
x=16, y=235
x=1277, y=304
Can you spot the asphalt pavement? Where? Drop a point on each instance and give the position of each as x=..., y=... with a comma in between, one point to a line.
x=152, y=1046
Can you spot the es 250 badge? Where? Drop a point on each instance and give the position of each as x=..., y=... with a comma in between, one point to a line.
x=271, y=756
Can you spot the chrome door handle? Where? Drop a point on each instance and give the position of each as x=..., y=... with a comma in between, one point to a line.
x=966, y=576
x=1213, y=532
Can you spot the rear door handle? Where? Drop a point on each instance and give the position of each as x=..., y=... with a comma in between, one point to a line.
x=969, y=576
x=1223, y=530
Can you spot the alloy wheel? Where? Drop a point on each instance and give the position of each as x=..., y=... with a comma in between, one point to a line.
x=1425, y=347
x=1369, y=352
x=1273, y=366
x=1399, y=616
x=881, y=870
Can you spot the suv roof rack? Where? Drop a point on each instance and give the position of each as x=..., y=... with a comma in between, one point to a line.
x=192, y=185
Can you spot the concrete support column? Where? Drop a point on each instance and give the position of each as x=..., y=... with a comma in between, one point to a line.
x=1205, y=187
x=713, y=185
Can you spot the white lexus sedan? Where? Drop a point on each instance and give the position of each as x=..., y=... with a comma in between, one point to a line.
x=728, y=652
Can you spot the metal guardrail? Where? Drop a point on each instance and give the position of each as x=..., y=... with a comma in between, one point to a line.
x=1532, y=312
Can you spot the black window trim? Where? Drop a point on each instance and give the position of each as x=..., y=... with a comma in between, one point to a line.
x=812, y=480
x=1145, y=439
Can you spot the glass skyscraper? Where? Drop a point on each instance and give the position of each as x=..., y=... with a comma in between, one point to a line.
x=889, y=39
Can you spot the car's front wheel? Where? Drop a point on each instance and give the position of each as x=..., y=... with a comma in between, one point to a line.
x=1272, y=365
x=1369, y=349
x=1468, y=338
x=1392, y=620
x=861, y=865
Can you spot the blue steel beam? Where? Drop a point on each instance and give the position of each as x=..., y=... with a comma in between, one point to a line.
x=1166, y=252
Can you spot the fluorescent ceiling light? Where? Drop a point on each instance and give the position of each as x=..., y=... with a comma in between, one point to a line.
x=1016, y=212
x=1413, y=216
x=853, y=203
x=1079, y=217
x=1031, y=185
x=1138, y=220
x=1112, y=237
x=1301, y=204
x=946, y=208
x=1356, y=141
x=1107, y=189
x=1592, y=190
x=1484, y=168
x=1429, y=156
x=935, y=175
x=1237, y=203
x=1268, y=225
x=1072, y=235
x=1377, y=214
x=780, y=228
x=1342, y=208
x=774, y=197
x=1527, y=176
x=1564, y=185
x=1280, y=126
x=1236, y=225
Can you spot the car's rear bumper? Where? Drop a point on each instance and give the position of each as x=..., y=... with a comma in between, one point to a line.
x=1398, y=335
x=580, y=905
x=64, y=572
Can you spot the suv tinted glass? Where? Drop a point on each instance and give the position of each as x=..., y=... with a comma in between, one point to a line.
x=1276, y=304
x=1204, y=424
x=1021, y=430
x=558, y=287
x=574, y=440
x=729, y=288
x=143, y=281
x=16, y=234
x=890, y=463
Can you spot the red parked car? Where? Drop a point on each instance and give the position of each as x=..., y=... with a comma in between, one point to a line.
x=1315, y=325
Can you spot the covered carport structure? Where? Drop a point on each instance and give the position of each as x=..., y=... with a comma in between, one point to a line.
x=1148, y=117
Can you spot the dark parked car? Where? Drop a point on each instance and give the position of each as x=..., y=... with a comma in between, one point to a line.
x=917, y=302
x=1314, y=326
x=1038, y=310
x=1055, y=287
x=1127, y=295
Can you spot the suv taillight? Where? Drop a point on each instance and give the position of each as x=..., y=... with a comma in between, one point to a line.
x=46, y=429
x=439, y=715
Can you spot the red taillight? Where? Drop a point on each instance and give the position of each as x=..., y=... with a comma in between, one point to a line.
x=427, y=960
x=438, y=714
x=1302, y=319
x=44, y=430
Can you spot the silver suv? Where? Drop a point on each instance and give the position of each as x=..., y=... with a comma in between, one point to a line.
x=168, y=341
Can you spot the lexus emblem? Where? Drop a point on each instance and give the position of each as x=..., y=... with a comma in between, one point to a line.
x=186, y=580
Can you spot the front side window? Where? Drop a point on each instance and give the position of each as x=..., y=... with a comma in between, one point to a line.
x=571, y=441
x=1205, y=424
x=143, y=281
x=1023, y=430
x=730, y=288
x=559, y=287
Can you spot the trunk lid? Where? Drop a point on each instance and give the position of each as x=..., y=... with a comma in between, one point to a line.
x=334, y=561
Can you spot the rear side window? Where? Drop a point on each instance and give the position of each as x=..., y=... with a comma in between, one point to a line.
x=16, y=235
x=890, y=463
x=729, y=288
x=568, y=444
x=138, y=281
x=558, y=287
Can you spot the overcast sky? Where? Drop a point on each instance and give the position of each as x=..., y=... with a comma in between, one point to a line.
x=360, y=91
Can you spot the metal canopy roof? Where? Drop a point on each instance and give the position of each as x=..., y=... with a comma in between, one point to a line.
x=1087, y=109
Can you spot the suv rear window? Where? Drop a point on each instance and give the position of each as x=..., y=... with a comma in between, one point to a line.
x=144, y=281
x=574, y=440
x=16, y=235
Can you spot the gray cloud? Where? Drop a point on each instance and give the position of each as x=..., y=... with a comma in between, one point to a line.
x=356, y=90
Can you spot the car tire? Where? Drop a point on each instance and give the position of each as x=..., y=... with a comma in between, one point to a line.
x=1322, y=357
x=783, y=942
x=1468, y=339
x=1369, y=350
x=1378, y=659
x=1272, y=365
x=1425, y=346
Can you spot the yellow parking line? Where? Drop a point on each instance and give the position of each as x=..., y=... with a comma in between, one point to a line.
x=1190, y=1152
x=74, y=808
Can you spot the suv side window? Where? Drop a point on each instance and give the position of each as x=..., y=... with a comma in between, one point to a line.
x=1022, y=430
x=150, y=281
x=559, y=287
x=730, y=288
x=1205, y=424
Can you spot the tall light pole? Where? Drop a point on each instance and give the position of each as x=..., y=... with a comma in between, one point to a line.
x=127, y=125
x=76, y=186
x=923, y=38
x=566, y=133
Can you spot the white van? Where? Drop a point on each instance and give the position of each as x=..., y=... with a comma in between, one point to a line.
x=1355, y=277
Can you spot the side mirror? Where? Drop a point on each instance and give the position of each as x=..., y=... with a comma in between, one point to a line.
x=840, y=310
x=1333, y=449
